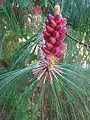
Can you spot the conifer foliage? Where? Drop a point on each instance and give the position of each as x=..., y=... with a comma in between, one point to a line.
x=45, y=78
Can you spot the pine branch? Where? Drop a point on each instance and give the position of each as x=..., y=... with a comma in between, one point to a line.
x=84, y=44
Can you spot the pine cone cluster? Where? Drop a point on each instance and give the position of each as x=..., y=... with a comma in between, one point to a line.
x=54, y=35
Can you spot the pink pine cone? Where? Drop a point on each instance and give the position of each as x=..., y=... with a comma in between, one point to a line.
x=63, y=22
x=63, y=31
x=58, y=28
x=53, y=23
x=61, y=38
x=49, y=45
x=55, y=34
x=48, y=57
x=60, y=46
x=46, y=38
x=47, y=33
x=47, y=22
x=49, y=29
x=59, y=54
x=45, y=50
x=50, y=17
x=52, y=40
x=58, y=18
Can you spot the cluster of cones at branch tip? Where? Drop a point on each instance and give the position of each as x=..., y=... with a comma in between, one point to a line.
x=54, y=35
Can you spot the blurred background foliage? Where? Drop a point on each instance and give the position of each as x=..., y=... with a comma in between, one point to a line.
x=21, y=26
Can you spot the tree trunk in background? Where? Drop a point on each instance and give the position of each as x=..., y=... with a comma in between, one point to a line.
x=2, y=43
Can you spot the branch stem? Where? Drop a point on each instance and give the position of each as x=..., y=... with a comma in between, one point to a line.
x=86, y=45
